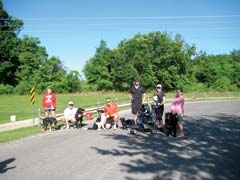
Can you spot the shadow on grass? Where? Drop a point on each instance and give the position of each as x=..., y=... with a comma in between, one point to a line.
x=210, y=150
x=4, y=165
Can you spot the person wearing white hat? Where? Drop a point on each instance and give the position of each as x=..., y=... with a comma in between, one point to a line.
x=159, y=99
x=69, y=114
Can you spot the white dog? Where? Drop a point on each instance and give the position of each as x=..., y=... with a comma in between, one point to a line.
x=102, y=122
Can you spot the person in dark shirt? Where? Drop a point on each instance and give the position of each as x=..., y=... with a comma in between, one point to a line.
x=137, y=96
x=159, y=99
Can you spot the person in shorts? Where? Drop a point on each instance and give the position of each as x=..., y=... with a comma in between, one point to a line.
x=49, y=103
x=137, y=96
x=111, y=113
x=159, y=99
x=177, y=108
x=69, y=115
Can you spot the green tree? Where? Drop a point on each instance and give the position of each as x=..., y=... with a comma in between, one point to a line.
x=31, y=57
x=98, y=69
x=9, y=28
x=217, y=71
x=235, y=61
x=155, y=57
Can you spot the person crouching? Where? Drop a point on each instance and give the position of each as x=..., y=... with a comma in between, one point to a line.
x=111, y=113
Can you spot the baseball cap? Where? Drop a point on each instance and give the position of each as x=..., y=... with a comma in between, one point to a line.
x=159, y=86
x=70, y=103
x=137, y=79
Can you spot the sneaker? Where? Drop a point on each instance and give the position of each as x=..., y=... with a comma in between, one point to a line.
x=67, y=127
x=114, y=126
x=181, y=135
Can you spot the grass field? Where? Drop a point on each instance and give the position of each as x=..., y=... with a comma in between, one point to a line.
x=18, y=133
x=21, y=107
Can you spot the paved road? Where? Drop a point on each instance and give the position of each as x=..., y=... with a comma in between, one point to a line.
x=210, y=151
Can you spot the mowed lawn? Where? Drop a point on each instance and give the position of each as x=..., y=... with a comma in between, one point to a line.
x=20, y=106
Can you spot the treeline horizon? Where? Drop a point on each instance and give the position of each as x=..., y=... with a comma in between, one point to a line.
x=155, y=57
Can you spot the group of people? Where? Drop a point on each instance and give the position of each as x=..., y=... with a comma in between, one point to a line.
x=49, y=106
x=137, y=96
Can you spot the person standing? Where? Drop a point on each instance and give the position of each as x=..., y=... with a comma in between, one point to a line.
x=159, y=99
x=49, y=102
x=137, y=96
x=177, y=108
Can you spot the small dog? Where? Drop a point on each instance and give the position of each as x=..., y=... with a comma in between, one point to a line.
x=51, y=122
x=171, y=124
x=126, y=123
x=100, y=121
x=79, y=117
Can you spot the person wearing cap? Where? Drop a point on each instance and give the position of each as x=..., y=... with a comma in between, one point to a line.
x=111, y=113
x=49, y=103
x=137, y=96
x=69, y=115
x=159, y=100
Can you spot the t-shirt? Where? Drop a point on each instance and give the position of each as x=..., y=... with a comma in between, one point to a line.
x=69, y=113
x=137, y=93
x=178, y=105
x=160, y=96
x=111, y=109
x=49, y=101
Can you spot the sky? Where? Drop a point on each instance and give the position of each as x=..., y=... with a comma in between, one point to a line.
x=72, y=29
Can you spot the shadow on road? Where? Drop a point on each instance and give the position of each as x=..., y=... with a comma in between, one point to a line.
x=4, y=165
x=211, y=150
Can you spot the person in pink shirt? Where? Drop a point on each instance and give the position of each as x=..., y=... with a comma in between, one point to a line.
x=177, y=108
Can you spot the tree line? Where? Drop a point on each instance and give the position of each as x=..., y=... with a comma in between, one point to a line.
x=156, y=57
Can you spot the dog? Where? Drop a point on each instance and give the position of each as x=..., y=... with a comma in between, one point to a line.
x=100, y=121
x=79, y=117
x=171, y=124
x=50, y=122
x=126, y=123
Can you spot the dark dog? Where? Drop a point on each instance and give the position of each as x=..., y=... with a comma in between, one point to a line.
x=126, y=123
x=171, y=124
x=51, y=122
x=79, y=117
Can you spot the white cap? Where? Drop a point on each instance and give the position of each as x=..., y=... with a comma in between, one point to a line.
x=159, y=86
x=70, y=102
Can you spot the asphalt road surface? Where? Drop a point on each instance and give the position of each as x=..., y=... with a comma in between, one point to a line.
x=210, y=150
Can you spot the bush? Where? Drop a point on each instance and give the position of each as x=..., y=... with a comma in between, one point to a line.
x=23, y=88
x=6, y=89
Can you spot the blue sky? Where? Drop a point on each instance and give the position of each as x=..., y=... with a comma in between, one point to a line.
x=72, y=29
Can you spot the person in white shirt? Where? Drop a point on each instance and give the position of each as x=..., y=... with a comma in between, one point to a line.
x=69, y=115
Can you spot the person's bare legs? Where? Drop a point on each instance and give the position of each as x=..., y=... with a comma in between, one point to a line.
x=46, y=113
x=53, y=114
x=115, y=118
x=65, y=122
x=135, y=116
x=180, y=127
